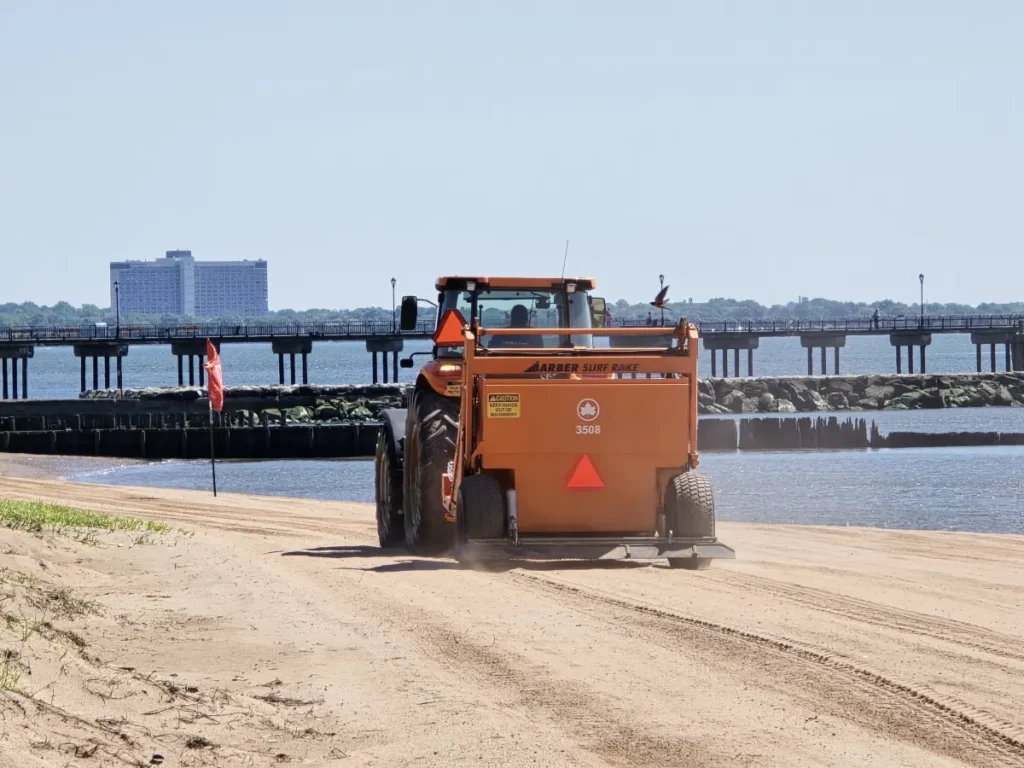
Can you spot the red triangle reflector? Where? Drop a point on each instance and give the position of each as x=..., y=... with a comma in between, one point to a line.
x=585, y=475
x=449, y=331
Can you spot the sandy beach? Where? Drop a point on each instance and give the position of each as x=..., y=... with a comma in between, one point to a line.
x=268, y=631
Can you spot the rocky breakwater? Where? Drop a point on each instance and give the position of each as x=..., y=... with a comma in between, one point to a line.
x=860, y=393
x=305, y=404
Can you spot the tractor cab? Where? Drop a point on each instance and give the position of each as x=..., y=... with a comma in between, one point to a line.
x=514, y=303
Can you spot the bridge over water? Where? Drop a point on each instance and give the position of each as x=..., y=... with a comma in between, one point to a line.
x=91, y=343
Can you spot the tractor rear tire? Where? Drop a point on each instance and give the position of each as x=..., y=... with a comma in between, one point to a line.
x=482, y=507
x=690, y=506
x=390, y=531
x=690, y=512
x=429, y=448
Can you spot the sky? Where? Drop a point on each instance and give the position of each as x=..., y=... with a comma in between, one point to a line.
x=742, y=149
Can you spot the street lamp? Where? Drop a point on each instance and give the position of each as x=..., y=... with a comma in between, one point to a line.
x=661, y=287
x=921, y=278
x=393, y=281
x=117, y=332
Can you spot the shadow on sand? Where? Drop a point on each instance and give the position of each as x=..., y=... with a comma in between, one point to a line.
x=407, y=563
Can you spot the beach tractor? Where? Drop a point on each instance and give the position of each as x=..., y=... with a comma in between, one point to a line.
x=525, y=439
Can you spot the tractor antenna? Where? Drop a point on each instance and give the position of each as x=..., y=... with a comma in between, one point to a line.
x=564, y=258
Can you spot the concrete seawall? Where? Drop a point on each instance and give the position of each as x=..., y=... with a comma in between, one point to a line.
x=319, y=441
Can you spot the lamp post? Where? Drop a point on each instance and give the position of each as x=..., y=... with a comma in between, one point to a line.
x=921, y=278
x=117, y=331
x=393, y=281
x=661, y=286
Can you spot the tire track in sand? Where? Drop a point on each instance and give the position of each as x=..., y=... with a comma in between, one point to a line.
x=582, y=713
x=830, y=682
x=875, y=614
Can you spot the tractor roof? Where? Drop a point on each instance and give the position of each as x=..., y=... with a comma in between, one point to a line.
x=534, y=283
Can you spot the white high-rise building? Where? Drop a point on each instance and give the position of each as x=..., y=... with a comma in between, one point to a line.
x=179, y=285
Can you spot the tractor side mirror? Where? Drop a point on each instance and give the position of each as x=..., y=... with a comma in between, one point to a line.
x=410, y=311
x=597, y=310
x=406, y=362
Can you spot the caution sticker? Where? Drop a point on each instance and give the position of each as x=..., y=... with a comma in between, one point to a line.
x=504, y=405
x=453, y=388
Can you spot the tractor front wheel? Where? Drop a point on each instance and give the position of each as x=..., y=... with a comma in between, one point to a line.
x=429, y=448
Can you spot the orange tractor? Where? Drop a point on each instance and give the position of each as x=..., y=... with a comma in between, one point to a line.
x=525, y=440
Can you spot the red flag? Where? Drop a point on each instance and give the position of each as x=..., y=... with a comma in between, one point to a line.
x=216, y=374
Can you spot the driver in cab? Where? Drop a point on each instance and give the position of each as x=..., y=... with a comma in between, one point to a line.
x=519, y=317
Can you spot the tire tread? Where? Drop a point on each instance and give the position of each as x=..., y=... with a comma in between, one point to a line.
x=390, y=529
x=690, y=506
x=432, y=429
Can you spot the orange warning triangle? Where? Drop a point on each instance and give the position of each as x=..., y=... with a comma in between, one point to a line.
x=585, y=475
x=449, y=330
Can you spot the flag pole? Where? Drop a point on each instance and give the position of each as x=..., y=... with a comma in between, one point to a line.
x=215, y=397
x=213, y=463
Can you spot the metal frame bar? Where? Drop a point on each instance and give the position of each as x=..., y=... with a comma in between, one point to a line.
x=620, y=548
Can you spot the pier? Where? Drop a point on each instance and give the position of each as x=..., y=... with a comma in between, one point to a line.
x=1003, y=335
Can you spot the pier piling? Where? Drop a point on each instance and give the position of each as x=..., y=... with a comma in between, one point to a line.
x=909, y=340
x=297, y=346
x=94, y=350
x=9, y=384
x=385, y=346
x=726, y=342
x=824, y=342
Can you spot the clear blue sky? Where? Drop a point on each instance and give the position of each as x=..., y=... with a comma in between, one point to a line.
x=746, y=149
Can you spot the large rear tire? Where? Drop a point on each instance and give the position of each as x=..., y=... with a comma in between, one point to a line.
x=430, y=447
x=690, y=513
x=390, y=530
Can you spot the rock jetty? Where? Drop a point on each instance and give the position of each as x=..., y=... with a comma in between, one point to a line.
x=282, y=404
x=790, y=394
x=860, y=393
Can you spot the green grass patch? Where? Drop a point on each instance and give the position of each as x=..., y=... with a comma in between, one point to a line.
x=10, y=673
x=39, y=516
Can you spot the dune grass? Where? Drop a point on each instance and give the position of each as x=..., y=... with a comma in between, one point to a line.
x=39, y=516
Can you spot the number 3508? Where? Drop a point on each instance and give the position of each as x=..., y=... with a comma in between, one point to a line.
x=588, y=429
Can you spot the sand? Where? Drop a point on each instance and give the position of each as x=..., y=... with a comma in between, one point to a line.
x=269, y=631
x=57, y=467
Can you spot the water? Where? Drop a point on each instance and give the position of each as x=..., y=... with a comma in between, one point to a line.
x=991, y=419
x=54, y=371
x=975, y=489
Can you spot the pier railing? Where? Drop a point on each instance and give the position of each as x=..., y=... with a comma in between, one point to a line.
x=55, y=334
x=866, y=325
x=355, y=330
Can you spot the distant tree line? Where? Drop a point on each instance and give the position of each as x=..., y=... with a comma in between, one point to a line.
x=805, y=309
x=63, y=313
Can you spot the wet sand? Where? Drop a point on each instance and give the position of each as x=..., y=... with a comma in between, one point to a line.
x=56, y=467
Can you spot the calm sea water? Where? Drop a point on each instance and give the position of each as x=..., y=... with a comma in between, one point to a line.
x=976, y=489
x=54, y=371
